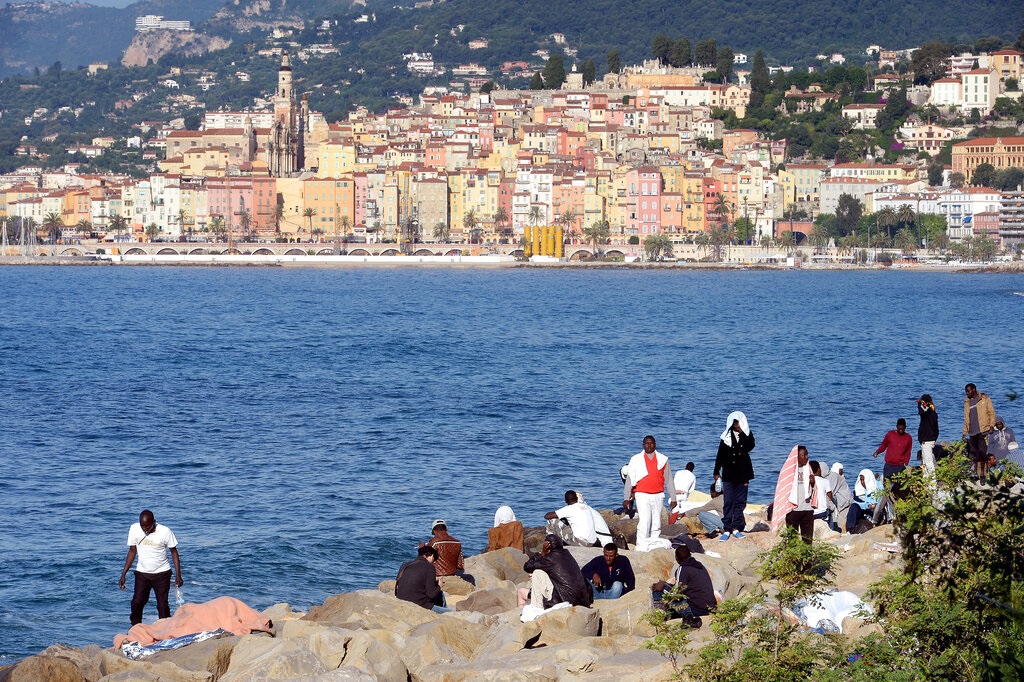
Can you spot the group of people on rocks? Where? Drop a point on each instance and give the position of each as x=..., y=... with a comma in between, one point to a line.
x=806, y=491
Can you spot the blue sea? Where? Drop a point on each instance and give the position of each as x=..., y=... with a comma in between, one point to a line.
x=300, y=429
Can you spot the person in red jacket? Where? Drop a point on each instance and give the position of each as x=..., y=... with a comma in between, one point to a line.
x=897, y=446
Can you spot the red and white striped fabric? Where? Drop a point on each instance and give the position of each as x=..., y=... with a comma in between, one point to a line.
x=783, y=490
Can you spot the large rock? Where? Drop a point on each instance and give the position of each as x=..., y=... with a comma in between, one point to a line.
x=507, y=638
x=441, y=642
x=46, y=667
x=491, y=601
x=259, y=659
x=114, y=666
x=624, y=616
x=369, y=610
x=493, y=568
x=368, y=654
x=568, y=625
x=212, y=656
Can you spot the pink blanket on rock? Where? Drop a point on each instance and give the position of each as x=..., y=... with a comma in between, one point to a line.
x=782, y=491
x=226, y=613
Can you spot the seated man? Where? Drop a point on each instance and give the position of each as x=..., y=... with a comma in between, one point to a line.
x=449, y=550
x=555, y=577
x=417, y=581
x=611, y=575
x=577, y=522
x=707, y=519
x=694, y=582
x=507, y=531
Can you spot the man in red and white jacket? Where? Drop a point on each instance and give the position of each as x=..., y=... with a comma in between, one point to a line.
x=648, y=480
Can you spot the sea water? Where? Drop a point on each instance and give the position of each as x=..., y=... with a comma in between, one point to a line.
x=300, y=429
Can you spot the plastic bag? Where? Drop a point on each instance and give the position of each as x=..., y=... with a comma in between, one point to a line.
x=179, y=597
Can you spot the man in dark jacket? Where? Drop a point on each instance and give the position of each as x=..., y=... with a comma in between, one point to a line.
x=610, y=575
x=417, y=581
x=694, y=581
x=555, y=577
x=927, y=432
x=734, y=468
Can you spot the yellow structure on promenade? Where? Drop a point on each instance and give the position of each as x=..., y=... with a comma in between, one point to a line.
x=544, y=240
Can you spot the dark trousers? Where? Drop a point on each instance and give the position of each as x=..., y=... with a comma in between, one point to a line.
x=159, y=583
x=735, y=495
x=804, y=521
x=977, y=448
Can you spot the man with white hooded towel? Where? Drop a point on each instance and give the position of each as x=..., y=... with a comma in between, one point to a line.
x=734, y=468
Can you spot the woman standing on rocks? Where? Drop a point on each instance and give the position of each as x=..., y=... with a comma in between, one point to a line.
x=734, y=468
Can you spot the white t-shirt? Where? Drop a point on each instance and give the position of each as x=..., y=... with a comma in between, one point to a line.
x=580, y=520
x=685, y=483
x=822, y=485
x=603, y=534
x=152, y=548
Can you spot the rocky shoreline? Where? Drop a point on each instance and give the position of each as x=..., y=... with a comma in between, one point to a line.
x=371, y=635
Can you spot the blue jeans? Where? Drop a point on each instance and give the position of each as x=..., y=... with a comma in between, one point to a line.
x=735, y=500
x=613, y=591
x=711, y=521
x=678, y=610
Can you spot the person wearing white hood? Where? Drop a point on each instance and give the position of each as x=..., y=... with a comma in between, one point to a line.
x=648, y=479
x=734, y=468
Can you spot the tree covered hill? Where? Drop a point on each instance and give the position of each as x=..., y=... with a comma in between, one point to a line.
x=38, y=33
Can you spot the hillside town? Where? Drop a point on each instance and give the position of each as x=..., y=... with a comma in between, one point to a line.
x=642, y=152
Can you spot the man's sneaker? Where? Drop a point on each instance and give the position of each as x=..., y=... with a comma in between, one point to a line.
x=725, y=536
x=738, y=535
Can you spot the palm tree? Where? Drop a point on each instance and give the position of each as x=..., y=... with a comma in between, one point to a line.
x=442, y=232
x=182, y=215
x=720, y=236
x=245, y=222
x=471, y=226
x=217, y=226
x=152, y=230
x=703, y=242
x=500, y=220
x=886, y=218
x=84, y=227
x=597, y=234
x=536, y=215
x=118, y=223
x=308, y=215
x=53, y=225
x=723, y=209
x=656, y=246
x=787, y=240
x=904, y=240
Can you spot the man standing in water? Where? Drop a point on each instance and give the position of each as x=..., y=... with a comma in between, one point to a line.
x=150, y=542
x=648, y=478
x=979, y=419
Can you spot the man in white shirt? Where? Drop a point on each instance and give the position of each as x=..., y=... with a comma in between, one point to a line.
x=581, y=530
x=149, y=542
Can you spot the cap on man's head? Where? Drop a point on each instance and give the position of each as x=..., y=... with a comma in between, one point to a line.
x=438, y=522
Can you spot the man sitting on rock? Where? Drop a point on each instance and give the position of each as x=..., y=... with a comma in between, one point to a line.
x=449, y=550
x=610, y=575
x=573, y=523
x=706, y=519
x=417, y=581
x=694, y=582
x=555, y=578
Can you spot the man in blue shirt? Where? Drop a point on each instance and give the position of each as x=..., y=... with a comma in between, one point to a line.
x=610, y=575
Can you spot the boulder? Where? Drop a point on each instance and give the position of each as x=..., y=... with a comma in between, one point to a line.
x=567, y=625
x=87, y=659
x=259, y=659
x=114, y=666
x=282, y=612
x=490, y=569
x=212, y=656
x=623, y=616
x=507, y=638
x=369, y=610
x=46, y=667
x=456, y=585
x=491, y=671
x=641, y=664
x=444, y=641
x=373, y=657
x=492, y=601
